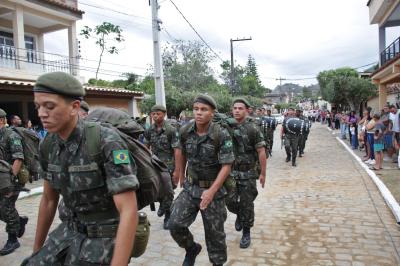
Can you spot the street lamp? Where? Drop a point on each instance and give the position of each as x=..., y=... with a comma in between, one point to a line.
x=232, y=66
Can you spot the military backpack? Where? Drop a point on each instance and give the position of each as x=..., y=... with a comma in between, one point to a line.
x=30, y=145
x=152, y=173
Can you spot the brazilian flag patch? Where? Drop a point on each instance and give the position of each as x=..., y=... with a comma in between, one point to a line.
x=121, y=157
x=228, y=144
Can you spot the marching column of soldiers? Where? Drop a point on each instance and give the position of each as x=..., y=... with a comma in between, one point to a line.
x=216, y=161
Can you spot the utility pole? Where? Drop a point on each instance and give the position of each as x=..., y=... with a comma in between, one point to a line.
x=158, y=70
x=280, y=81
x=233, y=85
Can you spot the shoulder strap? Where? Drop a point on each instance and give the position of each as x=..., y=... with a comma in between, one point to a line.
x=92, y=135
x=184, y=130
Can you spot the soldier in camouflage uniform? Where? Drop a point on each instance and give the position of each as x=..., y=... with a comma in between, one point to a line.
x=249, y=147
x=13, y=154
x=98, y=188
x=304, y=134
x=269, y=133
x=206, y=147
x=162, y=138
x=291, y=140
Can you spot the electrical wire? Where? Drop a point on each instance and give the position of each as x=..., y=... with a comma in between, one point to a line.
x=198, y=34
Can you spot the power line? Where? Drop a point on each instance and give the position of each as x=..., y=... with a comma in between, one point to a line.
x=113, y=10
x=191, y=26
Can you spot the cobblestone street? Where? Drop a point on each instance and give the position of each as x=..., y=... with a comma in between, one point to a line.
x=326, y=211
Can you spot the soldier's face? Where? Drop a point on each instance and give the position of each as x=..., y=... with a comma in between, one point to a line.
x=55, y=112
x=158, y=117
x=203, y=113
x=239, y=111
x=17, y=121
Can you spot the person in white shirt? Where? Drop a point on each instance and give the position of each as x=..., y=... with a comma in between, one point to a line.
x=394, y=117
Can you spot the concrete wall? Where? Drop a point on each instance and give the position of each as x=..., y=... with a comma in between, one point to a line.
x=122, y=104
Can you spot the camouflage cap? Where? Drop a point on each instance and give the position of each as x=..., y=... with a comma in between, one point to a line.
x=242, y=100
x=59, y=83
x=157, y=108
x=206, y=99
x=2, y=113
x=85, y=106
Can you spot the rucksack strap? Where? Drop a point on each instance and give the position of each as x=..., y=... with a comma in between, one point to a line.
x=92, y=135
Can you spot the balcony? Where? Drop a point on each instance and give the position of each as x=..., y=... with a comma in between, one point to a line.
x=390, y=52
x=32, y=61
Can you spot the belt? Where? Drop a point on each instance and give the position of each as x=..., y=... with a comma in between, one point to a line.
x=200, y=183
x=243, y=167
x=94, y=230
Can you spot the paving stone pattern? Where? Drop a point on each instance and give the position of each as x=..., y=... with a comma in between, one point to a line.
x=326, y=211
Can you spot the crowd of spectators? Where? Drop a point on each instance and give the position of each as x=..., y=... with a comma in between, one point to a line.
x=377, y=134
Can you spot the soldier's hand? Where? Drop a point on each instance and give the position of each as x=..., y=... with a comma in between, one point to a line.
x=206, y=199
x=262, y=180
x=175, y=178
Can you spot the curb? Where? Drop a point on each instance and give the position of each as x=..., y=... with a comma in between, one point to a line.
x=33, y=192
x=386, y=194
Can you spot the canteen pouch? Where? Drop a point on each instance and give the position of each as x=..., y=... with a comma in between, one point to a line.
x=23, y=175
x=142, y=236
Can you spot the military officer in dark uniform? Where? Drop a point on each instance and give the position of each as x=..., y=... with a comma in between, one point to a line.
x=162, y=139
x=97, y=187
x=249, y=148
x=13, y=154
x=206, y=148
x=291, y=138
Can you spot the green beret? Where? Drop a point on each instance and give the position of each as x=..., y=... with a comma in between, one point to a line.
x=206, y=99
x=242, y=100
x=59, y=83
x=85, y=106
x=2, y=113
x=157, y=108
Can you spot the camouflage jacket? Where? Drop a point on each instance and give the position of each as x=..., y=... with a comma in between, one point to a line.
x=11, y=145
x=163, y=142
x=247, y=139
x=87, y=184
x=205, y=154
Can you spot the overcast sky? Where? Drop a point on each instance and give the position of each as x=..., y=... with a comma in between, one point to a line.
x=293, y=39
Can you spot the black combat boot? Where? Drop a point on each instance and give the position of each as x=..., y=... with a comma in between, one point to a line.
x=11, y=245
x=160, y=211
x=246, y=239
x=191, y=254
x=300, y=154
x=166, y=220
x=294, y=162
x=288, y=158
x=238, y=226
x=23, y=220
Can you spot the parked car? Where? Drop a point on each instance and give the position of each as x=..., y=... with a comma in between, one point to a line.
x=279, y=118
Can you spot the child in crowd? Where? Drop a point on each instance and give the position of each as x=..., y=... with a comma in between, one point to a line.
x=378, y=142
x=353, y=136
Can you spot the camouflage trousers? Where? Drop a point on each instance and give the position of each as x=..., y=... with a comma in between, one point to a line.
x=291, y=145
x=243, y=203
x=302, y=142
x=184, y=212
x=269, y=139
x=65, y=246
x=166, y=201
x=9, y=214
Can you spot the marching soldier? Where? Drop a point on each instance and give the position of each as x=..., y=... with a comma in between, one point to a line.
x=99, y=189
x=249, y=148
x=290, y=136
x=163, y=140
x=13, y=154
x=206, y=148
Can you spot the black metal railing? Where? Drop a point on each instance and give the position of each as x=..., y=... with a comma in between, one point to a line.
x=390, y=52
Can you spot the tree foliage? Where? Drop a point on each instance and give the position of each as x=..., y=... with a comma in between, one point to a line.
x=343, y=86
x=106, y=35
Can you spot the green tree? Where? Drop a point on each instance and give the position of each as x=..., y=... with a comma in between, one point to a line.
x=342, y=86
x=106, y=35
x=186, y=65
x=307, y=93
